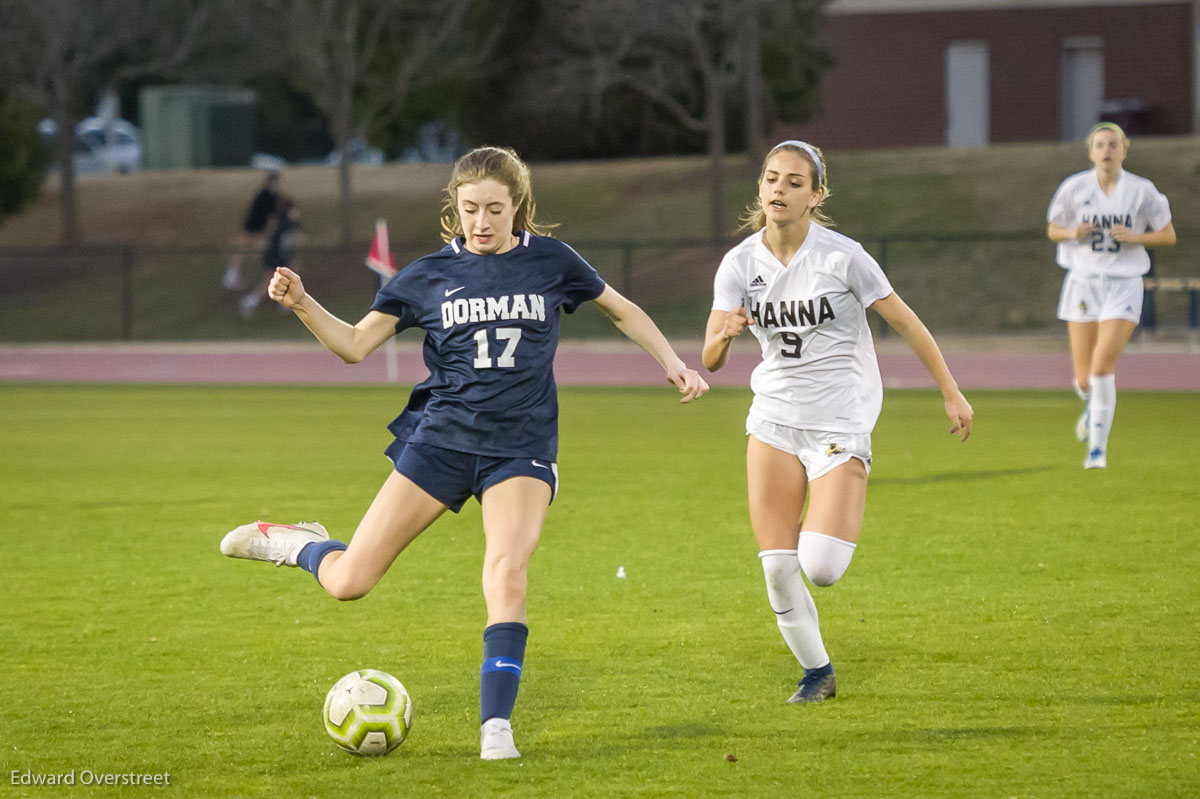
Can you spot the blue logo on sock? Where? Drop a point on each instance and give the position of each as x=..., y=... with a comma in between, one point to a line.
x=501, y=664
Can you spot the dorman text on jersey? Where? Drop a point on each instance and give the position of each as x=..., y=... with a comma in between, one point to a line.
x=490, y=309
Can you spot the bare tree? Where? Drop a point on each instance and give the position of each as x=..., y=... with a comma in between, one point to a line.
x=62, y=51
x=783, y=65
x=684, y=56
x=753, y=91
x=687, y=57
x=707, y=39
x=360, y=60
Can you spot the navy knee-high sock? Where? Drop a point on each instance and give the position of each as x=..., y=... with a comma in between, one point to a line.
x=311, y=555
x=500, y=675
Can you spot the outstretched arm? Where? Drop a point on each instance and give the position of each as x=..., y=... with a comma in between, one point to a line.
x=902, y=319
x=349, y=342
x=640, y=328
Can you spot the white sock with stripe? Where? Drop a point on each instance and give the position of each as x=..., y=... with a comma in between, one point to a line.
x=795, y=612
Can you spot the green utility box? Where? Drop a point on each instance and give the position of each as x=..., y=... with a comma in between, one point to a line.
x=197, y=126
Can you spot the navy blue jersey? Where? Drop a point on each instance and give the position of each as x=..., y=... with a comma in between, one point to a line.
x=261, y=208
x=491, y=327
x=282, y=244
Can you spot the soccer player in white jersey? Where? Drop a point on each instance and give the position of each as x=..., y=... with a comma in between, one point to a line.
x=1103, y=220
x=803, y=290
x=485, y=422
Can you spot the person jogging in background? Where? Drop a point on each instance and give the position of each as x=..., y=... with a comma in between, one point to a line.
x=254, y=228
x=1103, y=219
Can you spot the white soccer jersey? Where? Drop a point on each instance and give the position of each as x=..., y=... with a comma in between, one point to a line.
x=1134, y=203
x=819, y=370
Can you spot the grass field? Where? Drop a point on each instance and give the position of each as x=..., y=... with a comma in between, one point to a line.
x=1004, y=187
x=1011, y=626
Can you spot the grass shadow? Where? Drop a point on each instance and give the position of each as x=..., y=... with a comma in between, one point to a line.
x=960, y=476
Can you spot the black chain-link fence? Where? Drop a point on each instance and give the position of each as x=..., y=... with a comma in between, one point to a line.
x=959, y=282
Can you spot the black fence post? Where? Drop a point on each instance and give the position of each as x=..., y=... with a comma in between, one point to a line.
x=883, y=264
x=1149, y=312
x=627, y=269
x=127, y=293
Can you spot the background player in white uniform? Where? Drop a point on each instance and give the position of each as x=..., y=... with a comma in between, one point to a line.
x=1103, y=220
x=485, y=422
x=803, y=291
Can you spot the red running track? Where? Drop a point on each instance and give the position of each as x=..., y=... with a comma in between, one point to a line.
x=991, y=366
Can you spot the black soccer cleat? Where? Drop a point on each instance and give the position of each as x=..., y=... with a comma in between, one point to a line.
x=818, y=685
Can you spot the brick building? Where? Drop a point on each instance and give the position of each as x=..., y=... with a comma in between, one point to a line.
x=965, y=74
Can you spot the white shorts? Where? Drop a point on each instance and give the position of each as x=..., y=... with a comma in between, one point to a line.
x=1098, y=298
x=818, y=451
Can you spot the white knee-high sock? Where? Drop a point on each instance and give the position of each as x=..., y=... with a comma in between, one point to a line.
x=1102, y=404
x=793, y=605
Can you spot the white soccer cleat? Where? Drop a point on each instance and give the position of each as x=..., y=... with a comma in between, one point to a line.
x=275, y=543
x=496, y=740
x=1096, y=459
x=248, y=304
x=1081, y=426
x=232, y=279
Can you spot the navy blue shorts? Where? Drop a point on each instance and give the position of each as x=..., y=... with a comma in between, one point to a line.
x=452, y=477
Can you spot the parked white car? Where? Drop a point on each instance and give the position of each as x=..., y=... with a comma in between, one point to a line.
x=99, y=148
x=360, y=153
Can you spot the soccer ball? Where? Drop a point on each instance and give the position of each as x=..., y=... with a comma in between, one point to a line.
x=368, y=712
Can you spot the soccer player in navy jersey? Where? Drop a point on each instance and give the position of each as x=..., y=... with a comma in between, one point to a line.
x=485, y=422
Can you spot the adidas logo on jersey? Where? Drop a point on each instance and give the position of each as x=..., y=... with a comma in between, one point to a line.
x=757, y=282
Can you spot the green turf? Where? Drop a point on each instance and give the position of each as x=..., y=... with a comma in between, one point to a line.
x=1011, y=625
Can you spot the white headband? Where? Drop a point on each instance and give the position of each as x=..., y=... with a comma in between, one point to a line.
x=812, y=153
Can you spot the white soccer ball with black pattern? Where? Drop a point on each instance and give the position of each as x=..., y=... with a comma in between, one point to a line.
x=368, y=712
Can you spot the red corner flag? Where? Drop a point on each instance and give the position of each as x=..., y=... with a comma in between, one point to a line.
x=380, y=258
